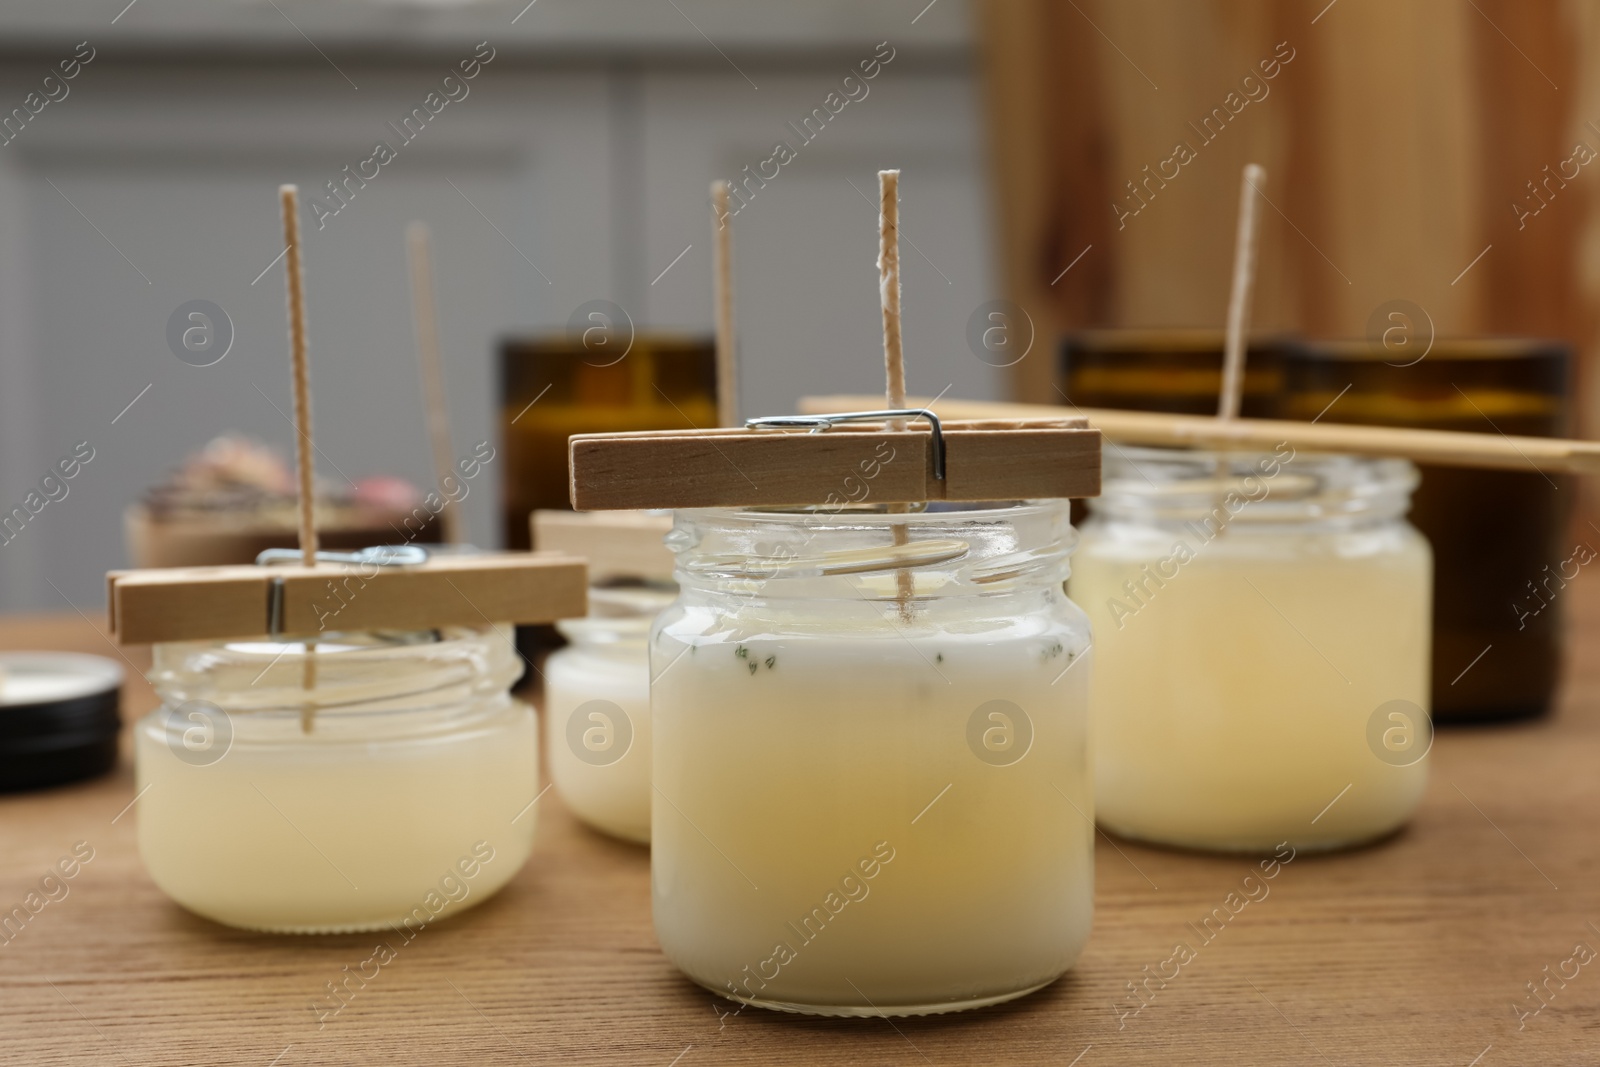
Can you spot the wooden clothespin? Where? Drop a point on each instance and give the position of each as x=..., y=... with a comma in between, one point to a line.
x=837, y=458
x=382, y=588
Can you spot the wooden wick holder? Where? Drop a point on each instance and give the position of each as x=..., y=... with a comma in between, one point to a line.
x=984, y=460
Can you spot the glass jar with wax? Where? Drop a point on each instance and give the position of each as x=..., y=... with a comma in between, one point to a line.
x=1262, y=634
x=871, y=774
x=375, y=779
x=597, y=710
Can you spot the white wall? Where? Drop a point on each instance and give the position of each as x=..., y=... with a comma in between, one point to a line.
x=592, y=153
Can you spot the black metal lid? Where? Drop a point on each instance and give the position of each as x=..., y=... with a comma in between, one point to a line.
x=58, y=717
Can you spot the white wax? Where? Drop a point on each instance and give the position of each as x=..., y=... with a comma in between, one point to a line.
x=1232, y=706
x=609, y=791
x=788, y=772
x=339, y=830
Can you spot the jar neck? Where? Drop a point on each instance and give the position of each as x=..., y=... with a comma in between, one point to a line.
x=947, y=554
x=1279, y=490
x=345, y=675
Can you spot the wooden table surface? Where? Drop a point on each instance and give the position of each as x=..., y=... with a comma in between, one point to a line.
x=1416, y=951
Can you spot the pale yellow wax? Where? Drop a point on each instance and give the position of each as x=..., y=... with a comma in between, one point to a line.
x=1231, y=707
x=334, y=830
x=603, y=774
x=825, y=840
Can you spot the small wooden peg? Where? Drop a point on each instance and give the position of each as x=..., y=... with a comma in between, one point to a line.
x=1244, y=279
x=300, y=369
x=305, y=461
x=894, y=360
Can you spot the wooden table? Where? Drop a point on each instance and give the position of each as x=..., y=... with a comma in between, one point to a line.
x=1416, y=951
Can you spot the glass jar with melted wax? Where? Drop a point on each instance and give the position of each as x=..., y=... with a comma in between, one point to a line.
x=597, y=710
x=1262, y=629
x=871, y=782
x=363, y=781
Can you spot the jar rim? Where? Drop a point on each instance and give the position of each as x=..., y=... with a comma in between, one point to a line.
x=1274, y=489
x=818, y=551
x=937, y=510
x=268, y=675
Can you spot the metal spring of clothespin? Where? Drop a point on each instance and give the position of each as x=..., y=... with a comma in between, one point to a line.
x=821, y=423
x=378, y=555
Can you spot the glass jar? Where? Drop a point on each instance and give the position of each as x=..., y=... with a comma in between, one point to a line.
x=597, y=711
x=871, y=776
x=378, y=779
x=1262, y=628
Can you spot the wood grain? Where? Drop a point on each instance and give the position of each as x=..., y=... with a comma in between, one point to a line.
x=994, y=460
x=188, y=604
x=1412, y=951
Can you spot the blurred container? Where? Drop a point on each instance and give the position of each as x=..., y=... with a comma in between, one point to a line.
x=236, y=497
x=1498, y=536
x=1166, y=370
x=558, y=386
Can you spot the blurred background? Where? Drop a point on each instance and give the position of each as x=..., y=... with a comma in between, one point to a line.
x=1077, y=159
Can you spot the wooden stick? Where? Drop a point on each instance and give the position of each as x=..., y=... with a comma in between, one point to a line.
x=1445, y=448
x=1244, y=279
x=304, y=460
x=289, y=199
x=429, y=363
x=894, y=360
x=722, y=286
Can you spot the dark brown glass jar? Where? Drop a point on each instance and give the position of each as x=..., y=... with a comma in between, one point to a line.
x=590, y=383
x=1165, y=370
x=1499, y=537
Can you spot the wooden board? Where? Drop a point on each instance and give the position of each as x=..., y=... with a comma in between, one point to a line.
x=1055, y=457
x=187, y=604
x=1411, y=952
x=615, y=544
